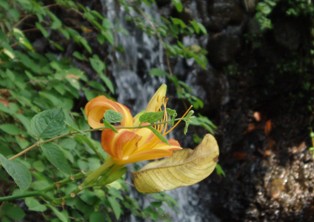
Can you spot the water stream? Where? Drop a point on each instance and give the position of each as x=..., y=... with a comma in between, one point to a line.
x=134, y=86
x=254, y=189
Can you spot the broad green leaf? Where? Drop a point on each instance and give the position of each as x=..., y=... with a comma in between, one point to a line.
x=185, y=167
x=14, y=212
x=34, y=205
x=112, y=116
x=20, y=174
x=11, y=129
x=96, y=217
x=40, y=184
x=97, y=64
x=115, y=207
x=22, y=141
x=56, y=157
x=107, y=82
x=108, y=35
x=39, y=165
x=48, y=123
x=151, y=117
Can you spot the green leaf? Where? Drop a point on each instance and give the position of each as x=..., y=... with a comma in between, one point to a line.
x=185, y=167
x=112, y=116
x=204, y=122
x=61, y=215
x=219, y=170
x=40, y=184
x=96, y=217
x=22, y=39
x=34, y=205
x=22, y=142
x=109, y=126
x=108, y=35
x=20, y=174
x=10, y=129
x=151, y=117
x=178, y=22
x=56, y=157
x=115, y=206
x=14, y=212
x=107, y=82
x=178, y=5
x=158, y=134
x=157, y=72
x=97, y=64
x=43, y=30
x=48, y=123
x=187, y=121
x=56, y=22
x=202, y=28
x=198, y=27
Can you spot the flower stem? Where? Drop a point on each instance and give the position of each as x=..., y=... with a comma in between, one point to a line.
x=40, y=142
x=22, y=195
x=43, y=191
x=93, y=176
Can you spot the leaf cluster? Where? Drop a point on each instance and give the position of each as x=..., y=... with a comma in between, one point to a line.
x=40, y=93
x=41, y=89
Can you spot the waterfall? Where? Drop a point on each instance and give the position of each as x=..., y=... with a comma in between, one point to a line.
x=140, y=53
x=134, y=88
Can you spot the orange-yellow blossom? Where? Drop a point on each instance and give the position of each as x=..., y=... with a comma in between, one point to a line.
x=131, y=145
x=96, y=108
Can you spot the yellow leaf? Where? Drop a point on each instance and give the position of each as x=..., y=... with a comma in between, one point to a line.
x=185, y=167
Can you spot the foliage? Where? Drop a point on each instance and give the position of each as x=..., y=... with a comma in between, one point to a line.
x=294, y=8
x=263, y=10
x=41, y=48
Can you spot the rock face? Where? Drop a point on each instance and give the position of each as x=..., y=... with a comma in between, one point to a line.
x=225, y=22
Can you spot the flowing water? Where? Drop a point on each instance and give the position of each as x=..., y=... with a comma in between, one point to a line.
x=140, y=53
x=135, y=87
x=254, y=188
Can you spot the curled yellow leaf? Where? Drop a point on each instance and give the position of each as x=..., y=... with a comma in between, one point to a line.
x=185, y=167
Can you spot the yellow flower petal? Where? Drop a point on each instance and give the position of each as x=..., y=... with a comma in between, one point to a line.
x=157, y=100
x=154, y=104
x=129, y=146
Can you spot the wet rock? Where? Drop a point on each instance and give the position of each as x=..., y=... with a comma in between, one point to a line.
x=224, y=13
x=222, y=48
x=211, y=87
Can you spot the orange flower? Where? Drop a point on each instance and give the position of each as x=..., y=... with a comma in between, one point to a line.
x=132, y=145
x=96, y=108
x=129, y=146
